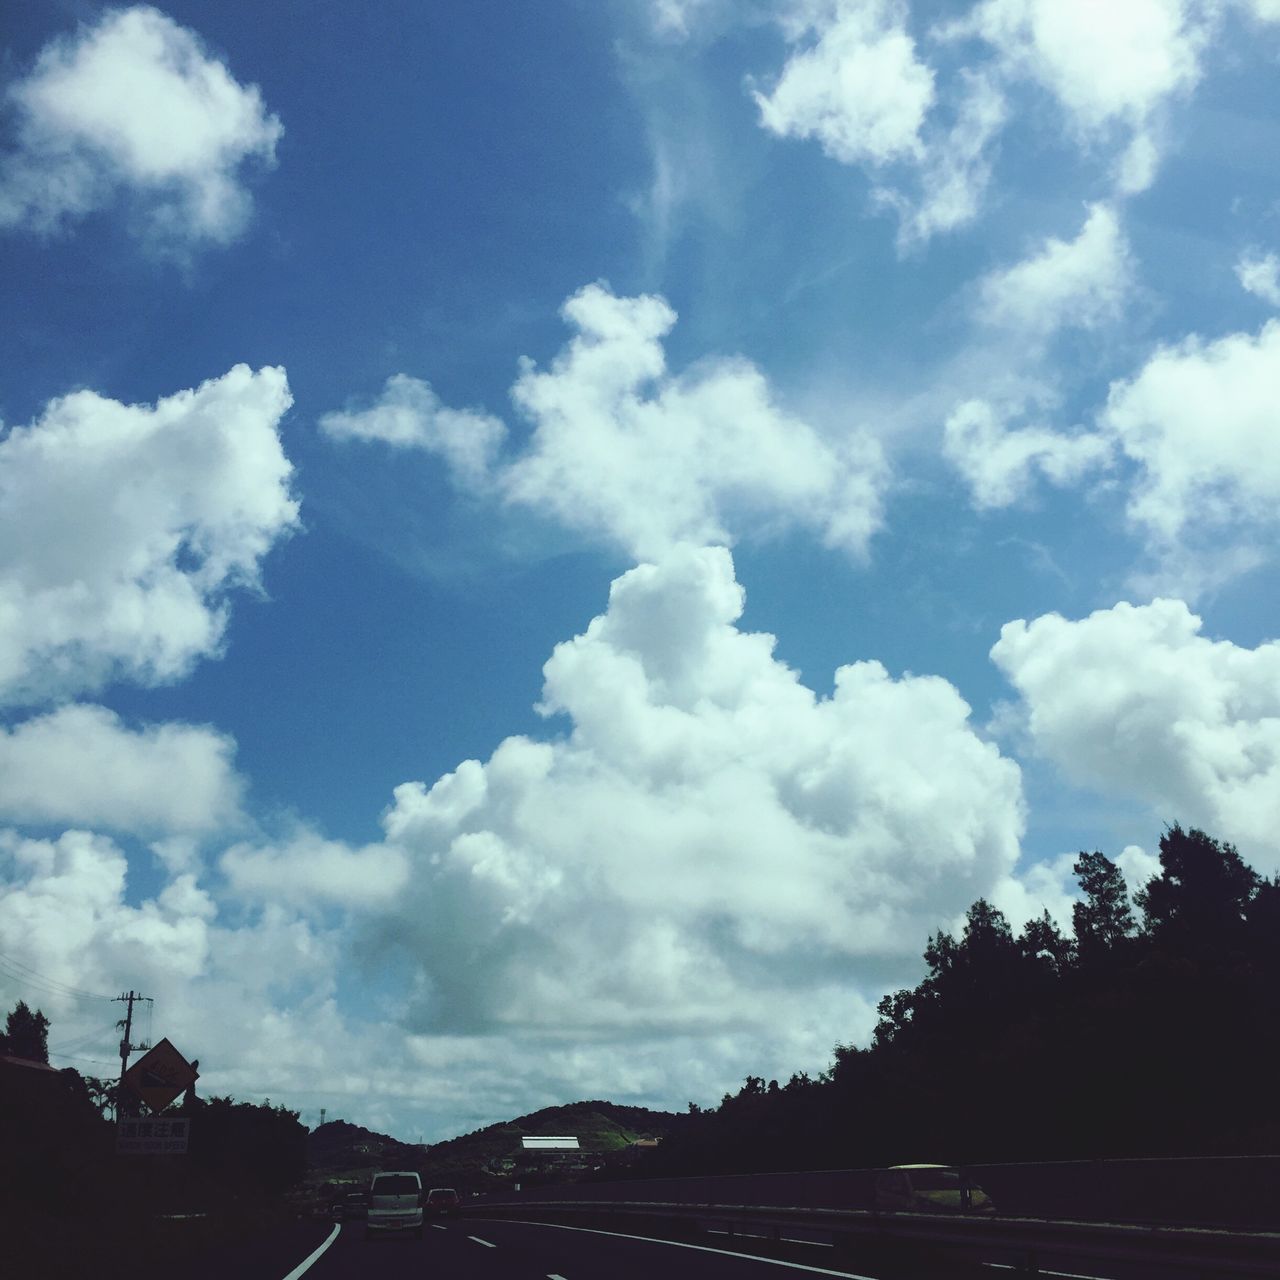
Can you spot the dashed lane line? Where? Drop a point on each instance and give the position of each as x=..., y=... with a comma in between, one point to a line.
x=488, y=1244
x=435, y=1226
x=1068, y=1275
x=307, y=1261
x=701, y=1248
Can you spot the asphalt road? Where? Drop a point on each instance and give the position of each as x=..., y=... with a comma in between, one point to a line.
x=486, y=1249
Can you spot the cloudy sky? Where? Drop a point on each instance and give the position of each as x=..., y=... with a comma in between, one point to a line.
x=545, y=548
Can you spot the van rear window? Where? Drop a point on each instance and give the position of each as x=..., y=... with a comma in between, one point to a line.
x=395, y=1184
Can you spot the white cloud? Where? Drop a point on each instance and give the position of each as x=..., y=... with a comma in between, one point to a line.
x=707, y=837
x=1134, y=700
x=1109, y=66
x=627, y=452
x=1081, y=283
x=1259, y=274
x=308, y=869
x=1199, y=419
x=1137, y=866
x=409, y=415
x=123, y=527
x=82, y=766
x=858, y=88
x=999, y=463
x=135, y=105
x=622, y=449
x=64, y=905
x=954, y=168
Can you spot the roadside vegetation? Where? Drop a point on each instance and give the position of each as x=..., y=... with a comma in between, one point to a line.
x=1154, y=1031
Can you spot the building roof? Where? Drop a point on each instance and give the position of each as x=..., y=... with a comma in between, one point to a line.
x=8, y=1060
x=549, y=1144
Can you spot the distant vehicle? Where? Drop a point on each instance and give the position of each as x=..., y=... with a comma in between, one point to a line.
x=355, y=1204
x=929, y=1188
x=442, y=1201
x=395, y=1203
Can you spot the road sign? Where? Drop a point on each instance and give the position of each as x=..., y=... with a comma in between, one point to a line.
x=153, y=1137
x=160, y=1075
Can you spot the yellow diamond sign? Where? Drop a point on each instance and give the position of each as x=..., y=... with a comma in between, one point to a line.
x=160, y=1075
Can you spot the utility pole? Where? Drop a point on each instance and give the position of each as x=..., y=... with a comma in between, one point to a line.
x=126, y=1047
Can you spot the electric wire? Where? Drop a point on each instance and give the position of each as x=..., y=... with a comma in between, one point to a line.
x=30, y=977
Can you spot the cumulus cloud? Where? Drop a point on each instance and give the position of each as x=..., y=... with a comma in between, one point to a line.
x=134, y=105
x=625, y=451
x=1259, y=274
x=1134, y=700
x=855, y=83
x=308, y=869
x=945, y=190
x=706, y=837
x=64, y=903
x=1080, y=283
x=123, y=527
x=1111, y=68
x=1199, y=421
x=409, y=415
x=82, y=766
x=1000, y=463
x=857, y=88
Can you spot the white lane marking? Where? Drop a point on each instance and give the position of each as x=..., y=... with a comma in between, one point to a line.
x=435, y=1226
x=551, y=1275
x=488, y=1244
x=701, y=1248
x=1069, y=1275
x=306, y=1262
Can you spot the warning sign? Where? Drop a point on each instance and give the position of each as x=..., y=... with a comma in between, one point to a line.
x=160, y=1075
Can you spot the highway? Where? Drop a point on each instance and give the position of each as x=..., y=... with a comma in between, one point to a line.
x=480, y=1249
x=495, y=1249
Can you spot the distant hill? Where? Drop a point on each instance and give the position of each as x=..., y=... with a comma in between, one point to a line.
x=340, y=1149
x=491, y=1156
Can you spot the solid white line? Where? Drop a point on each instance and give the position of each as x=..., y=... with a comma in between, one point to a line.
x=487, y=1243
x=306, y=1262
x=701, y=1248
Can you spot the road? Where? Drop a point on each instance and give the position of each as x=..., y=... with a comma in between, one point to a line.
x=480, y=1249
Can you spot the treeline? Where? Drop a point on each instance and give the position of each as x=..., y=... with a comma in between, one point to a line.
x=1153, y=1031
x=65, y=1191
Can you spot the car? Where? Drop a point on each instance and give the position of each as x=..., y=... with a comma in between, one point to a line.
x=929, y=1188
x=442, y=1201
x=395, y=1203
x=355, y=1204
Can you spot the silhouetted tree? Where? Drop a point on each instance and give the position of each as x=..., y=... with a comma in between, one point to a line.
x=1104, y=919
x=26, y=1034
x=1202, y=894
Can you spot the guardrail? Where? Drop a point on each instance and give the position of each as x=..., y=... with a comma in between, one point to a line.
x=1020, y=1243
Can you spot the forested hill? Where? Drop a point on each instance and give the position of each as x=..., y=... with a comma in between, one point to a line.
x=475, y=1158
x=600, y=1127
x=1154, y=1030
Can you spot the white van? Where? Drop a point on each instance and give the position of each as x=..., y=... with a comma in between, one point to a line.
x=395, y=1203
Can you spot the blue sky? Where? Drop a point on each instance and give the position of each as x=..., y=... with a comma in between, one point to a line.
x=449, y=452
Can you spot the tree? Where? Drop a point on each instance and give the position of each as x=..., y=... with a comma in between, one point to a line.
x=26, y=1034
x=1104, y=919
x=1202, y=894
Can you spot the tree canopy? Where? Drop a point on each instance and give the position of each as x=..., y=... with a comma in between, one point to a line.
x=1147, y=1033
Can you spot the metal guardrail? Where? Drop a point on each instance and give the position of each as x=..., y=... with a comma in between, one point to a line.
x=1021, y=1243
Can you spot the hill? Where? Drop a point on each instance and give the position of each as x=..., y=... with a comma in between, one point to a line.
x=490, y=1157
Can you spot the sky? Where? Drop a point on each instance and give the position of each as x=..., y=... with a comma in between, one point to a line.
x=544, y=549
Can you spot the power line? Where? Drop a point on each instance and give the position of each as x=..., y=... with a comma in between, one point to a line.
x=71, y=1057
x=23, y=972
